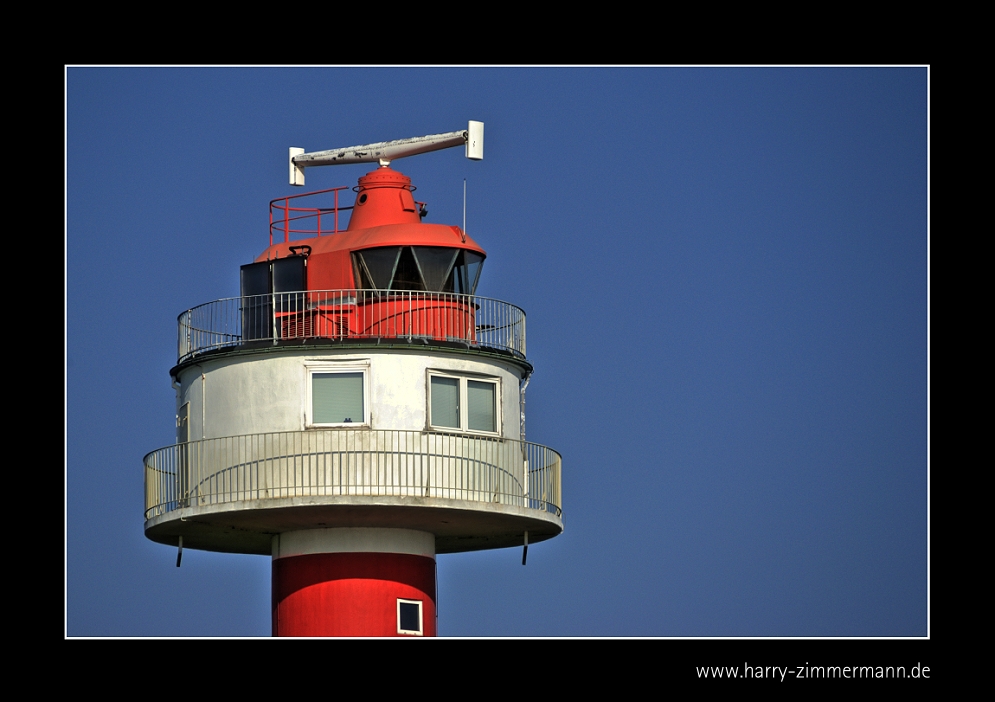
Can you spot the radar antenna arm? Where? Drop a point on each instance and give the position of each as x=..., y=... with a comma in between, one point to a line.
x=383, y=152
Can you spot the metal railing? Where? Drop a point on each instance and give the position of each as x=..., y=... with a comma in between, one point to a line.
x=286, y=220
x=352, y=462
x=477, y=322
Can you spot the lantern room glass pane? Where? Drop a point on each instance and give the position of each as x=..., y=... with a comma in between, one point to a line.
x=445, y=402
x=337, y=398
x=474, y=264
x=481, y=406
x=406, y=275
x=360, y=275
x=380, y=264
x=466, y=272
x=435, y=263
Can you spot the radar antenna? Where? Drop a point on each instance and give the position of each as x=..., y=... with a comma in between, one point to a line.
x=383, y=152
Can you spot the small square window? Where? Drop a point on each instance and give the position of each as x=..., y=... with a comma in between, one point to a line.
x=409, y=617
x=336, y=397
x=463, y=403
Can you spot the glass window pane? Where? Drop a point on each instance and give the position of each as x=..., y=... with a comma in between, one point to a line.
x=406, y=275
x=480, y=405
x=474, y=263
x=445, y=402
x=381, y=264
x=435, y=263
x=466, y=272
x=409, y=616
x=337, y=398
x=457, y=278
x=360, y=277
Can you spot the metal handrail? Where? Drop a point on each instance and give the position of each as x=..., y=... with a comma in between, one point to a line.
x=310, y=213
x=352, y=462
x=476, y=322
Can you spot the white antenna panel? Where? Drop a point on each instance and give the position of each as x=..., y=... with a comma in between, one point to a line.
x=475, y=141
x=383, y=152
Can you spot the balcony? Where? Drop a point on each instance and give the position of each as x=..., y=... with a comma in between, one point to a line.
x=232, y=493
x=353, y=315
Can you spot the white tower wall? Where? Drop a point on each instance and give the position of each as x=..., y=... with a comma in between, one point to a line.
x=269, y=392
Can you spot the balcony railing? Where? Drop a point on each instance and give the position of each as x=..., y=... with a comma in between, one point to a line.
x=477, y=322
x=352, y=462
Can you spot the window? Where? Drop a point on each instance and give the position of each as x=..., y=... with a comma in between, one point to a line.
x=457, y=402
x=336, y=396
x=429, y=268
x=409, y=617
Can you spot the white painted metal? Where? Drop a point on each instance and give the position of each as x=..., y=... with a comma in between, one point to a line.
x=475, y=141
x=353, y=540
x=383, y=152
x=296, y=172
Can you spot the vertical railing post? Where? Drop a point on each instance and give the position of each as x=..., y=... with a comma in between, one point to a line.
x=336, y=210
x=272, y=311
x=286, y=220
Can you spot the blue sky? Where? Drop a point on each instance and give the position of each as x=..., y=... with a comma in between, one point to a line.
x=725, y=272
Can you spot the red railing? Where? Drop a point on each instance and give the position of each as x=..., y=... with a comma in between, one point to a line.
x=291, y=220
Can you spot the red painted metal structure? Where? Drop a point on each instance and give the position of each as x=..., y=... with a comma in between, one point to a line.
x=384, y=215
x=300, y=214
x=384, y=316
x=350, y=594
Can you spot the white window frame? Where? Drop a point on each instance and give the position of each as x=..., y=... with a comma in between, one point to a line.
x=325, y=367
x=464, y=408
x=421, y=618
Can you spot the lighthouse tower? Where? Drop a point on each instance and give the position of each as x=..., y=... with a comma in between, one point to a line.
x=356, y=410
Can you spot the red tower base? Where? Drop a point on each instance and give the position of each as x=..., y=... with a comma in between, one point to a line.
x=363, y=587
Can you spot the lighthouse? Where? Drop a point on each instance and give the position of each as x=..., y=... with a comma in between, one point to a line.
x=357, y=409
